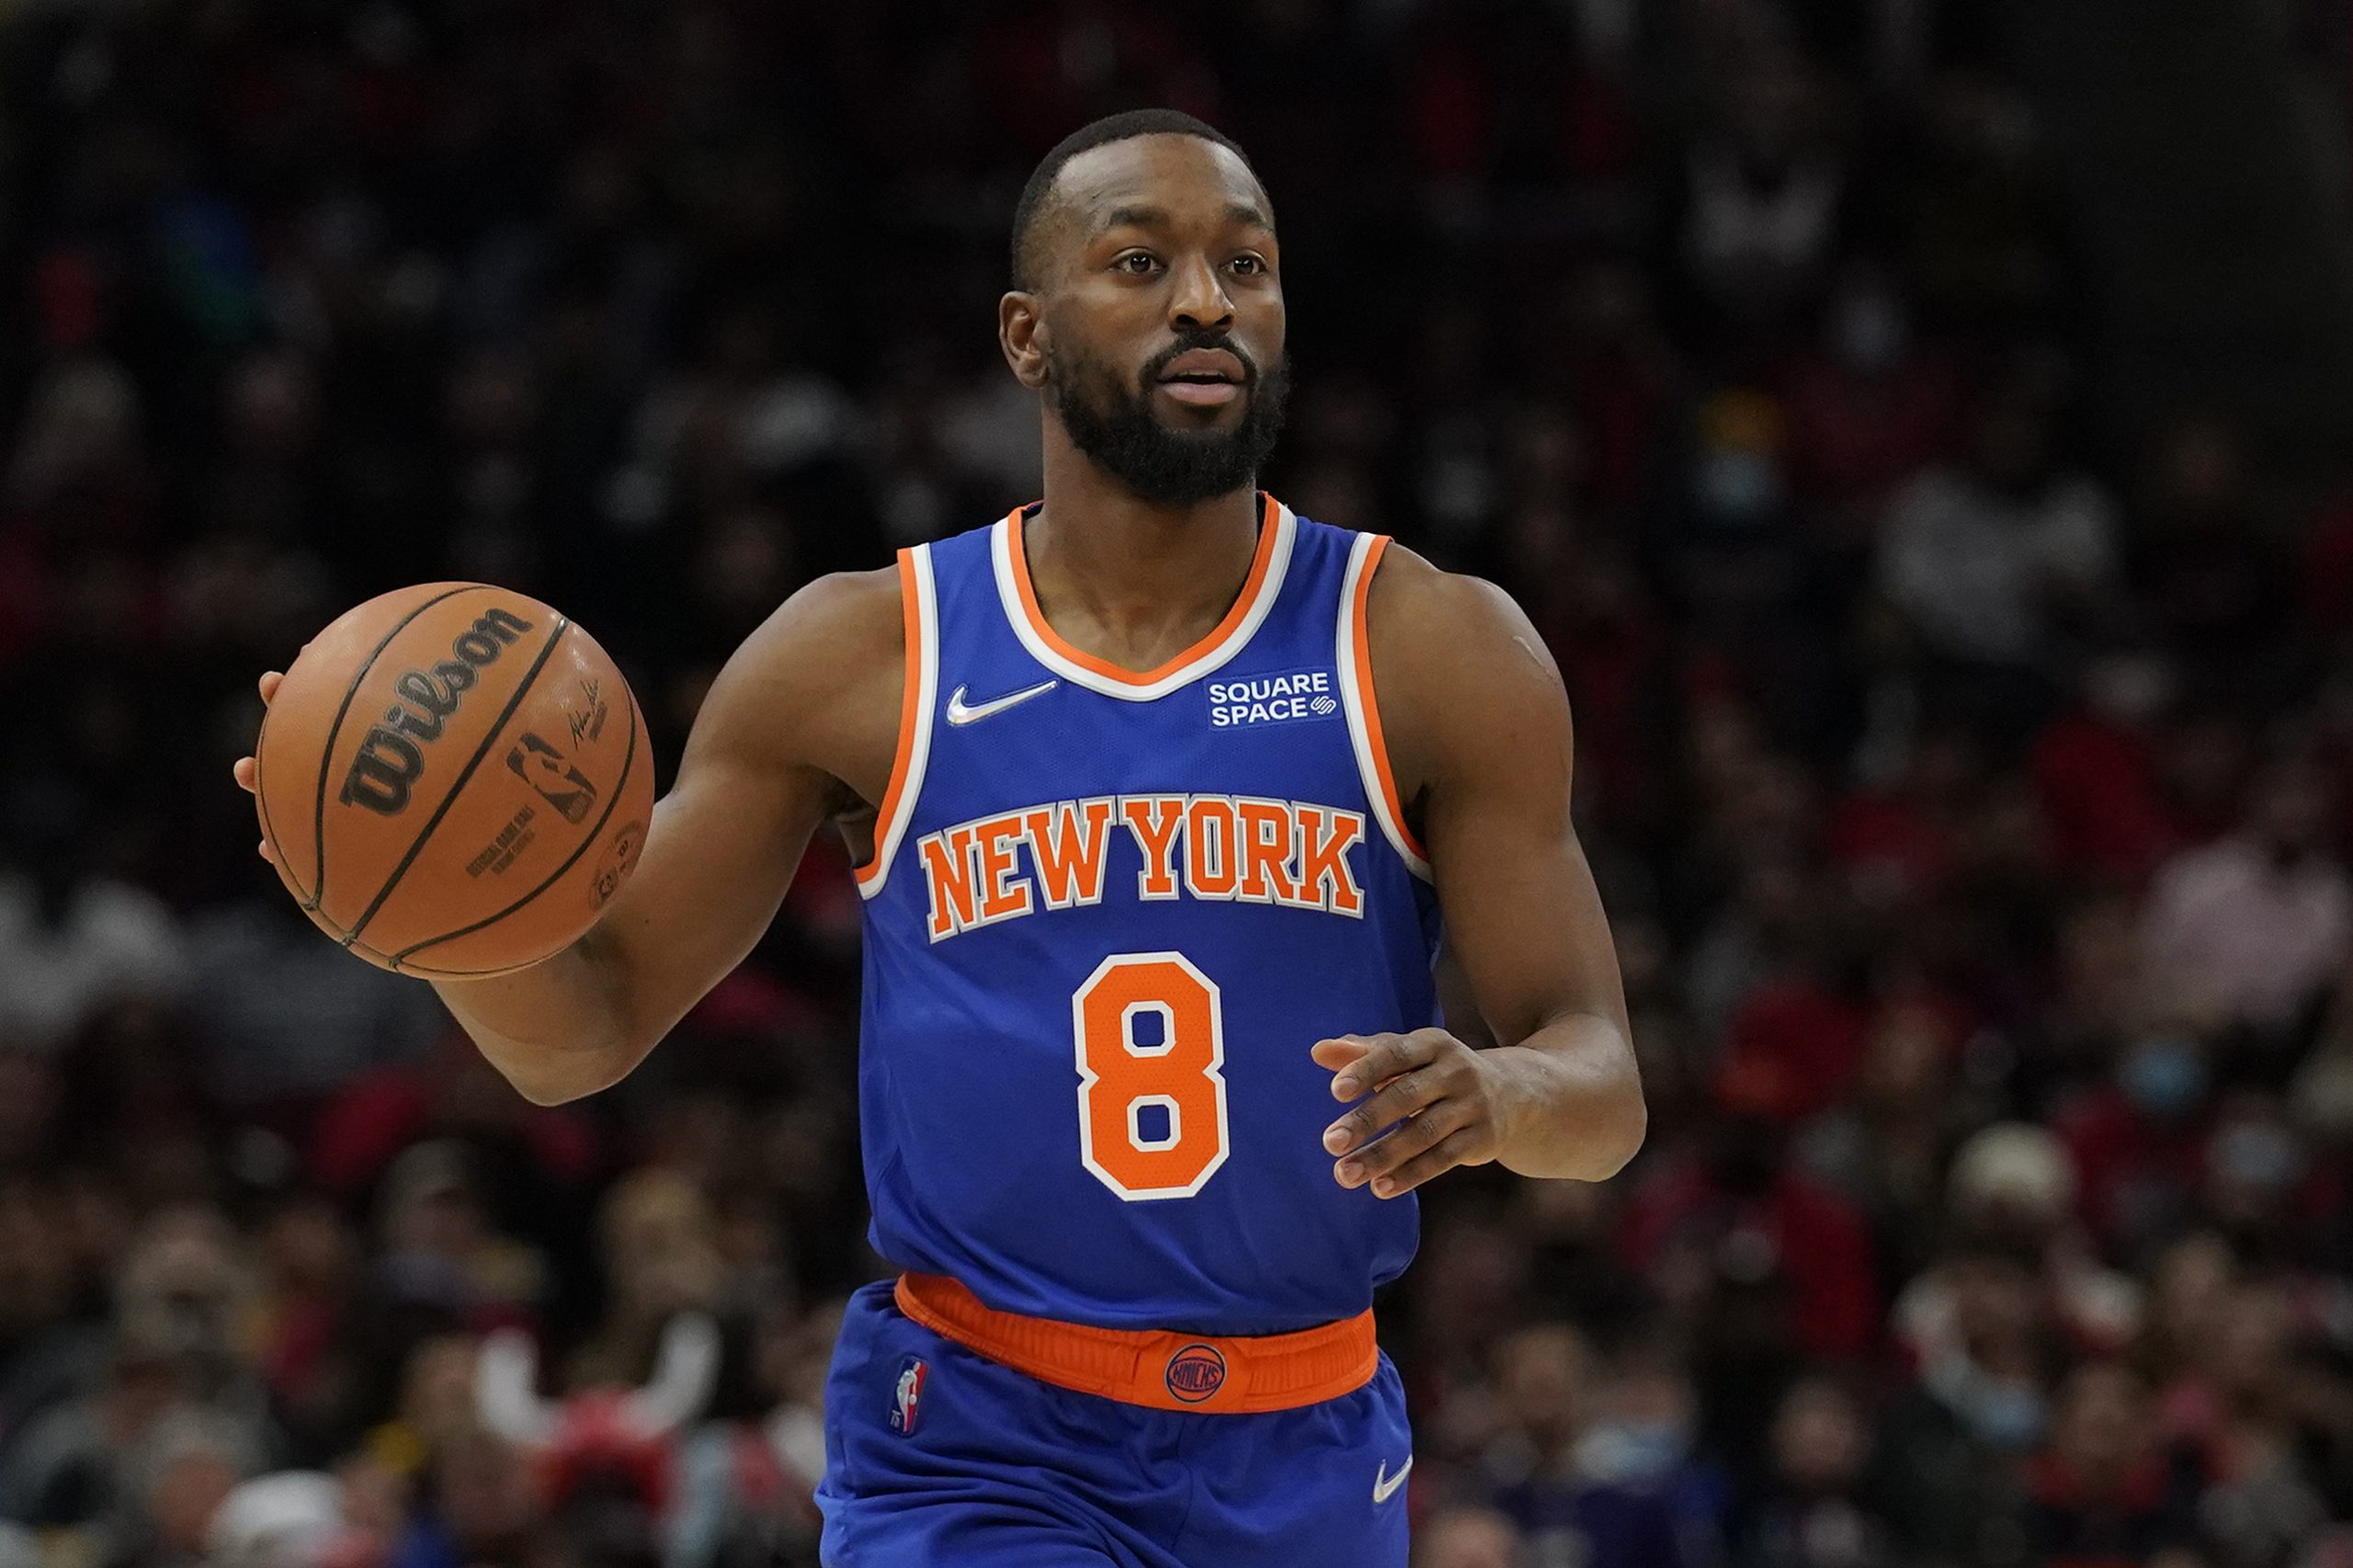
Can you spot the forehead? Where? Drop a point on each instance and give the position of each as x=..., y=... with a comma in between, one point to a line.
x=1184, y=177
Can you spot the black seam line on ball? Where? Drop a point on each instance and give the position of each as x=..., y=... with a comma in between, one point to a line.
x=612, y=803
x=326, y=752
x=497, y=728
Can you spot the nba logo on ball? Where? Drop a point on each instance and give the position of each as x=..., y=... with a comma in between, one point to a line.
x=906, y=1396
x=1196, y=1372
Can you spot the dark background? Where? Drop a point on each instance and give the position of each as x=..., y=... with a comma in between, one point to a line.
x=1918, y=429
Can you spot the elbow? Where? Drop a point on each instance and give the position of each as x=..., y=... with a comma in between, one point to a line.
x=545, y=1091
x=1624, y=1129
x=559, y=1078
x=1626, y=1120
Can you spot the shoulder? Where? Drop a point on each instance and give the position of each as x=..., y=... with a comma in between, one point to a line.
x=817, y=684
x=846, y=626
x=1413, y=601
x=1460, y=669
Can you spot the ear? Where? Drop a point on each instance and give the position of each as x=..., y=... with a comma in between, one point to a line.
x=1021, y=333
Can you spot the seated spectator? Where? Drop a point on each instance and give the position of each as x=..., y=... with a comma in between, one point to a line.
x=2102, y=1490
x=1739, y=1191
x=1543, y=1378
x=1979, y=1403
x=1647, y=1435
x=1868, y=408
x=2253, y=930
x=2136, y=1143
x=661, y=1257
x=1884, y=1145
x=2096, y=772
x=1816, y=1510
x=1988, y=561
x=443, y=1257
x=2258, y=1499
x=72, y=939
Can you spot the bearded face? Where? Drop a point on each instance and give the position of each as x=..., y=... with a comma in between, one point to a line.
x=1151, y=439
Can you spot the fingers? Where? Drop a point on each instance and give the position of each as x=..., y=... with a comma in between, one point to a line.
x=1377, y=1163
x=1401, y=1098
x=266, y=853
x=1463, y=1146
x=244, y=770
x=1339, y=1052
x=270, y=681
x=1380, y=1057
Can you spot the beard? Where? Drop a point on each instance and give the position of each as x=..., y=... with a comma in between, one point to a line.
x=1112, y=423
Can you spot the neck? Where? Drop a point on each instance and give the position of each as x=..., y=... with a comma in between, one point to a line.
x=1128, y=580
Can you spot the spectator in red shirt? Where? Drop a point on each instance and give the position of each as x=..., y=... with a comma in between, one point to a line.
x=2101, y=1494
x=1739, y=1200
x=2096, y=773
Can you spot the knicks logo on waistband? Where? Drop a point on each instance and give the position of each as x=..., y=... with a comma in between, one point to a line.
x=1284, y=697
x=1196, y=1372
x=1058, y=855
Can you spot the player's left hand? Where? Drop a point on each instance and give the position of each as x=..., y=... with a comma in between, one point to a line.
x=1441, y=1104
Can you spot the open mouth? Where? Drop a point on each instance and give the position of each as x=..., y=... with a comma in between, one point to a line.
x=1203, y=378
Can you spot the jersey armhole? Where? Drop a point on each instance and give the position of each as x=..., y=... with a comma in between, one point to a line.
x=1355, y=659
x=919, y=690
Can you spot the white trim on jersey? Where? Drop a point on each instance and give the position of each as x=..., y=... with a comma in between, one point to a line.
x=1008, y=595
x=1352, y=703
x=891, y=834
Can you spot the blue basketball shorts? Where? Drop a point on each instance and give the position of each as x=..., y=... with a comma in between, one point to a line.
x=937, y=1457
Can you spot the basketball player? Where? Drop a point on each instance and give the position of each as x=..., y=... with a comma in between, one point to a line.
x=1157, y=793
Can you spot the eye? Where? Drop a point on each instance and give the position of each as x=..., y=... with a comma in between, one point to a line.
x=1139, y=263
x=1249, y=266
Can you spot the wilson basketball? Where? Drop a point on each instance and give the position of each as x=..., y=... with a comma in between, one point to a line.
x=455, y=780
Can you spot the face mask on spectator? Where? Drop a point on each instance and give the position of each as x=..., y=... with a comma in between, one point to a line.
x=2165, y=1075
x=1635, y=1450
x=2006, y=1416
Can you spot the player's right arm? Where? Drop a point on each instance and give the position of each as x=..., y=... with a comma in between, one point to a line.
x=810, y=699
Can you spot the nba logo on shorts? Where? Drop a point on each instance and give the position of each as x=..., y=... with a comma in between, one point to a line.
x=1196, y=1372
x=906, y=1398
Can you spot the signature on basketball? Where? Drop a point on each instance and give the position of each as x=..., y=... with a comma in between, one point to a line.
x=587, y=721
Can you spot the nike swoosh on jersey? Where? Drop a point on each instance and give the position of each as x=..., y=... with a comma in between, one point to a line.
x=957, y=713
x=1384, y=1485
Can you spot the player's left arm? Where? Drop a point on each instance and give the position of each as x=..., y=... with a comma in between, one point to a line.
x=1477, y=724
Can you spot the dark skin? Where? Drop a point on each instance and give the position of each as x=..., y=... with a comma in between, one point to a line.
x=1144, y=242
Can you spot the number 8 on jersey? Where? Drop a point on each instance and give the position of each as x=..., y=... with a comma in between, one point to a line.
x=1151, y=1035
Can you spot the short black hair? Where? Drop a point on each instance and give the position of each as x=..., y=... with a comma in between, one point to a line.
x=1111, y=127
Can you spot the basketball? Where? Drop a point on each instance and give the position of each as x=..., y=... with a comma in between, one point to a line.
x=454, y=780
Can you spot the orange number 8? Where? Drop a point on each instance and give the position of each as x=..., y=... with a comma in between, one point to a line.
x=1119, y=1077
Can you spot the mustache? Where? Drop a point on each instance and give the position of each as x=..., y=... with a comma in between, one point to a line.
x=1187, y=342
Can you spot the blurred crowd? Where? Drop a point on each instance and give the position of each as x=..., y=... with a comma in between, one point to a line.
x=1970, y=787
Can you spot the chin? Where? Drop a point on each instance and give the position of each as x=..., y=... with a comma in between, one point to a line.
x=1221, y=421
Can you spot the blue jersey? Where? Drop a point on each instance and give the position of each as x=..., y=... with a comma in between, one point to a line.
x=1108, y=914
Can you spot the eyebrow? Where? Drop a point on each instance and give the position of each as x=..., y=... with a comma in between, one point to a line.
x=1157, y=217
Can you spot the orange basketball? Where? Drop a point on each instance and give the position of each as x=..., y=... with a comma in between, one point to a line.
x=454, y=779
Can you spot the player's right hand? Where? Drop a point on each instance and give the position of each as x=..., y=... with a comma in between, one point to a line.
x=243, y=770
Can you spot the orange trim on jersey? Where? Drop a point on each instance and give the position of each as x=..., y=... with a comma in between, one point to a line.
x=910, y=716
x=1363, y=643
x=1088, y=662
x=1217, y=1374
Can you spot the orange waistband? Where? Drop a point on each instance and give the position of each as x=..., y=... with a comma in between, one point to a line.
x=1233, y=1374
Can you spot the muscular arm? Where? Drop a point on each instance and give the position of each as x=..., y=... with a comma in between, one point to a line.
x=790, y=715
x=1477, y=725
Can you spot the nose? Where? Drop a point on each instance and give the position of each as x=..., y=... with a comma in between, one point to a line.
x=1197, y=298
